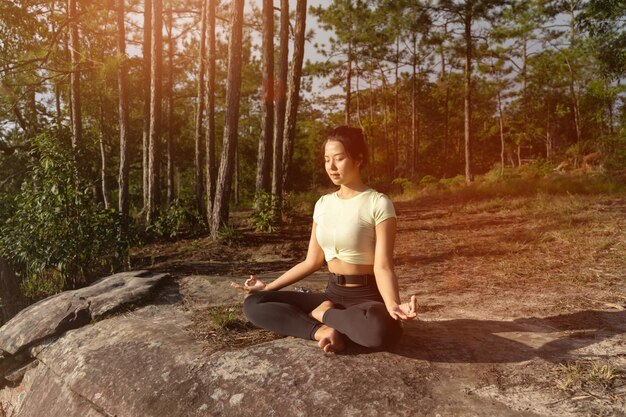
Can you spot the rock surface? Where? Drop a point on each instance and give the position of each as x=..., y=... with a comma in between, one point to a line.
x=76, y=359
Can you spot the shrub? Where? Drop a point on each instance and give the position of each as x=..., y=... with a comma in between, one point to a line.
x=266, y=215
x=428, y=179
x=181, y=218
x=57, y=234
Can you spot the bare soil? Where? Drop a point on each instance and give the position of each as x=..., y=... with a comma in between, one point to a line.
x=523, y=299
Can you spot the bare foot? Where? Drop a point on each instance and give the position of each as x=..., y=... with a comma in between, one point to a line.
x=318, y=313
x=330, y=340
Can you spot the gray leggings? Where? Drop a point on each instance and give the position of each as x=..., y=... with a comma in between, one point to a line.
x=359, y=314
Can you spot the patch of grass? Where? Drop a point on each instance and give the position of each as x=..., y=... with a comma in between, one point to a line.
x=225, y=317
x=225, y=327
x=586, y=376
x=228, y=234
x=495, y=204
x=525, y=181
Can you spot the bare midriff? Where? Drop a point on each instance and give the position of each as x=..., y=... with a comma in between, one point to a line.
x=339, y=267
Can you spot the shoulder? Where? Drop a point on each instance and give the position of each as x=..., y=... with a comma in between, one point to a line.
x=320, y=205
x=381, y=206
x=378, y=198
x=324, y=199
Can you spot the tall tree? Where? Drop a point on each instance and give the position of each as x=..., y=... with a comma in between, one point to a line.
x=170, y=105
x=233, y=90
x=77, y=120
x=211, y=174
x=123, y=200
x=295, y=73
x=154, y=142
x=281, y=92
x=264, y=159
x=147, y=62
x=466, y=13
x=197, y=166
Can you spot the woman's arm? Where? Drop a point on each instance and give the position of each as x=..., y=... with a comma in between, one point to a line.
x=386, y=278
x=314, y=261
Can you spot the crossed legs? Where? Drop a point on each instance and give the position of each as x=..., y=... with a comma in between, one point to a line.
x=314, y=316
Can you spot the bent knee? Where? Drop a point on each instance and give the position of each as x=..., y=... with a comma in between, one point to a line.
x=384, y=331
x=251, y=305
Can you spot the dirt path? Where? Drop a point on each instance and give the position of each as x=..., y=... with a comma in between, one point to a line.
x=522, y=301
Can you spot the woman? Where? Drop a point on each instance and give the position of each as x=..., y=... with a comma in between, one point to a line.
x=354, y=230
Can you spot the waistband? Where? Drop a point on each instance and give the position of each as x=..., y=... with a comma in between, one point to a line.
x=352, y=279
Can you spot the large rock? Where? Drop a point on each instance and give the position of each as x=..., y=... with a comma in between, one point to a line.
x=73, y=309
x=149, y=362
x=55, y=315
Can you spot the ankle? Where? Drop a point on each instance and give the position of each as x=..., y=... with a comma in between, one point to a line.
x=321, y=332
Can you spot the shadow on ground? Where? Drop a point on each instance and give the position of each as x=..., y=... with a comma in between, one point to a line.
x=552, y=338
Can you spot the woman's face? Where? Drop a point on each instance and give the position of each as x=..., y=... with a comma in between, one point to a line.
x=340, y=168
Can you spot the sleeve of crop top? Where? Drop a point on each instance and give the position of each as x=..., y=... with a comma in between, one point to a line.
x=317, y=212
x=383, y=208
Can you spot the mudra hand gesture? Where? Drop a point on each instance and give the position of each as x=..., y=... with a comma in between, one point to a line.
x=404, y=311
x=252, y=284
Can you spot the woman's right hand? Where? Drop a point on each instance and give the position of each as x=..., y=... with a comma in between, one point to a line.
x=252, y=284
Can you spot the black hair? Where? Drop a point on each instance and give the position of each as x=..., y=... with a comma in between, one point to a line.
x=353, y=141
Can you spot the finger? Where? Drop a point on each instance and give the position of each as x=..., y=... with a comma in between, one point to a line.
x=413, y=304
x=249, y=281
x=235, y=285
x=401, y=315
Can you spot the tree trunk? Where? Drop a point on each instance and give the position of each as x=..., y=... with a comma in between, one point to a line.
x=385, y=121
x=57, y=104
x=281, y=101
x=575, y=94
x=348, y=85
x=197, y=166
x=413, y=153
x=233, y=89
x=123, y=201
x=396, y=92
x=264, y=161
x=358, y=98
x=293, y=101
x=469, y=176
x=103, y=158
x=210, y=111
x=147, y=62
x=170, y=108
x=501, y=125
x=154, y=142
x=77, y=123
x=446, y=145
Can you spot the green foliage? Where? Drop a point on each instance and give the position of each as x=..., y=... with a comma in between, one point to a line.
x=179, y=219
x=225, y=316
x=228, y=234
x=57, y=234
x=428, y=179
x=401, y=186
x=266, y=215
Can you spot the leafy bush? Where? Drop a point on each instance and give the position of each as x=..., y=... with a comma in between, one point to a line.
x=228, y=234
x=428, y=179
x=180, y=219
x=453, y=182
x=266, y=216
x=57, y=234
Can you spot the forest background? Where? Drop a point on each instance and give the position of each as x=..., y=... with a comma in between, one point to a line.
x=128, y=122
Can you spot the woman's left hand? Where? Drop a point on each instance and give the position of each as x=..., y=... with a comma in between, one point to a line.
x=404, y=311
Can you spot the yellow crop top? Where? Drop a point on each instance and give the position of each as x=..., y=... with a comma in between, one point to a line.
x=346, y=229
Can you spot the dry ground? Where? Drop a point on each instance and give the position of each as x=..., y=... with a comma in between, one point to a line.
x=524, y=298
